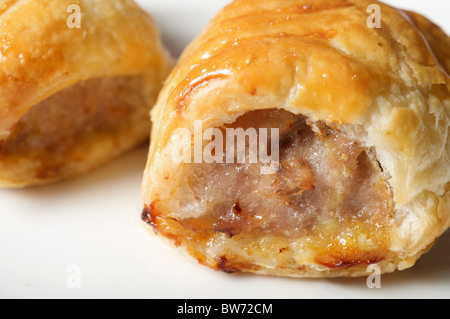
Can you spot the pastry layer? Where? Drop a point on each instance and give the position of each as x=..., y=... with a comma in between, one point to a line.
x=387, y=88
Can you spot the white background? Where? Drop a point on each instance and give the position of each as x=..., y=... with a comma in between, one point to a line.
x=93, y=222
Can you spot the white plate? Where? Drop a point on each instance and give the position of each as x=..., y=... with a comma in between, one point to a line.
x=84, y=238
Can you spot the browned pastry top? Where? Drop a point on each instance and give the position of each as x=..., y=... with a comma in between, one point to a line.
x=328, y=63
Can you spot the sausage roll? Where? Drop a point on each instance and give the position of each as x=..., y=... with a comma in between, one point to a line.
x=362, y=114
x=77, y=81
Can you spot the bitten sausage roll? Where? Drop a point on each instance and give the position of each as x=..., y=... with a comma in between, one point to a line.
x=77, y=81
x=361, y=119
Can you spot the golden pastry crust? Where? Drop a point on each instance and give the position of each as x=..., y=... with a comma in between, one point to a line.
x=386, y=88
x=41, y=56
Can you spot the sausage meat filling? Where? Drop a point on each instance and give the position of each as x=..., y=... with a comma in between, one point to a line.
x=329, y=195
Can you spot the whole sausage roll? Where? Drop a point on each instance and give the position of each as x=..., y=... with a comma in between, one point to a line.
x=360, y=118
x=78, y=80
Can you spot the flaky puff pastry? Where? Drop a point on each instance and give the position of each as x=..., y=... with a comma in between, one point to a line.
x=77, y=82
x=363, y=114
